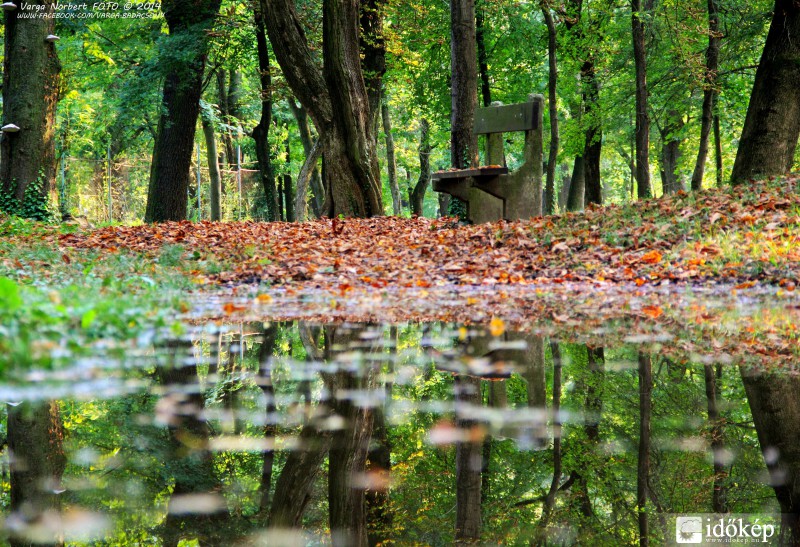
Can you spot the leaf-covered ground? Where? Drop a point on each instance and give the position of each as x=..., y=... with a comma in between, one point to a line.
x=702, y=275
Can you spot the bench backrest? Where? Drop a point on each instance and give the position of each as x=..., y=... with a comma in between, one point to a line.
x=506, y=118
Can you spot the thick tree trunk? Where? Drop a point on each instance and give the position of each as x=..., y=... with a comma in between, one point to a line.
x=463, y=84
x=337, y=103
x=391, y=163
x=643, y=466
x=709, y=93
x=776, y=414
x=215, y=180
x=189, y=22
x=642, y=116
x=418, y=193
x=347, y=460
x=261, y=131
x=772, y=125
x=468, y=466
x=309, y=145
x=593, y=185
x=35, y=441
x=30, y=94
x=552, y=99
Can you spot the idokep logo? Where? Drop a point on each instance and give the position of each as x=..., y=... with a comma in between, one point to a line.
x=689, y=530
x=713, y=529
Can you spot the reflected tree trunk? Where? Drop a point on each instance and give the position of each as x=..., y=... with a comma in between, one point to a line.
x=593, y=408
x=468, y=462
x=348, y=452
x=550, y=501
x=719, y=501
x=35, y=441
x=776, y=414
x=643, y=467
x=270, y=430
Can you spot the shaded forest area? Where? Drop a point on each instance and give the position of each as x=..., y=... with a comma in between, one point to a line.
x=291, y=109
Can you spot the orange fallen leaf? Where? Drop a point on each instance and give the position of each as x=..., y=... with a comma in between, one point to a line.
x=653, y=312
x=653, y=257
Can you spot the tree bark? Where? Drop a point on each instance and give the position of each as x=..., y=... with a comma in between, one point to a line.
x=35, y=441
x=305, y=176
x=483, y=57
x=30, y=94
x=315, y=181
x=709, y=93
x=468, y=465
x=337, y=103
x=575, y=198
x=215, y=180
x=643, y=466
x=642, y=116
x=418, y=193
x=463, y=84
x=552, y=99
x=776, y=414
x=261, y=131
x=188, y=21
x=391, y=163
x=671, y=181
x=719, y=499
x=772, y=125
x=270, y=429
x=373, y=49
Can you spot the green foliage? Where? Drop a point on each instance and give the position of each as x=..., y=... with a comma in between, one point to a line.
x=35, y=203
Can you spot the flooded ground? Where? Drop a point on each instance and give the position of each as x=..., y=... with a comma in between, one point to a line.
x=231, y=430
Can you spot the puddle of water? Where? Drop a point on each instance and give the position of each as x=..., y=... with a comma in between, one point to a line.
x=295, y=433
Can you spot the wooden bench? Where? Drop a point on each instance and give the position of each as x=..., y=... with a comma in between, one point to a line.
x=492, y=192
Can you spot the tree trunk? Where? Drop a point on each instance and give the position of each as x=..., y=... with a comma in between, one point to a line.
x=189, y=22
x=550, y=500
x=225, y=113
x=348, y=453
x=373, y=62
x=643, y=466
x=215, y=180
x=270, y=429
x=776, y=414
x=593, y=185
x=418, y=193
x=671, y=181
x=317, y=191
x=306, y=175
x=483, y=57
x=575, y=197
x=338, y=103
x=391, y=164
x=718, y=150
x=30, y=94
x=261, y=131
x=463, y=84
x=468, y=466
x=719, y=499
x=709, y=93
x=552, y=99
x=35, y=442
x=772, y=125
x=642, y=117
x=288, y=198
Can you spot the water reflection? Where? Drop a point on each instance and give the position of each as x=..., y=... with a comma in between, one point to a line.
x=351, y=434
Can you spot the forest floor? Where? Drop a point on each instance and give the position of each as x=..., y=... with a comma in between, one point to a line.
x=717, y=260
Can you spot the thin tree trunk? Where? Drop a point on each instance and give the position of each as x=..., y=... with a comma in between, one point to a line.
x=483, y=57
x=261, y=131
x=709, y=93
x=642, y=117
x=270, y=429
x=30, y=95
x=288, y=198
x=306, y=174
x=671, y=181
x=719, y=500
x=391, y=164
x=225, y=112
x=643, y=467
x=552, y=99
x=718, y=150
x=317, y=191
x=418, y=193
x=550, y=501
x=215, y=180
x=772, y=126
